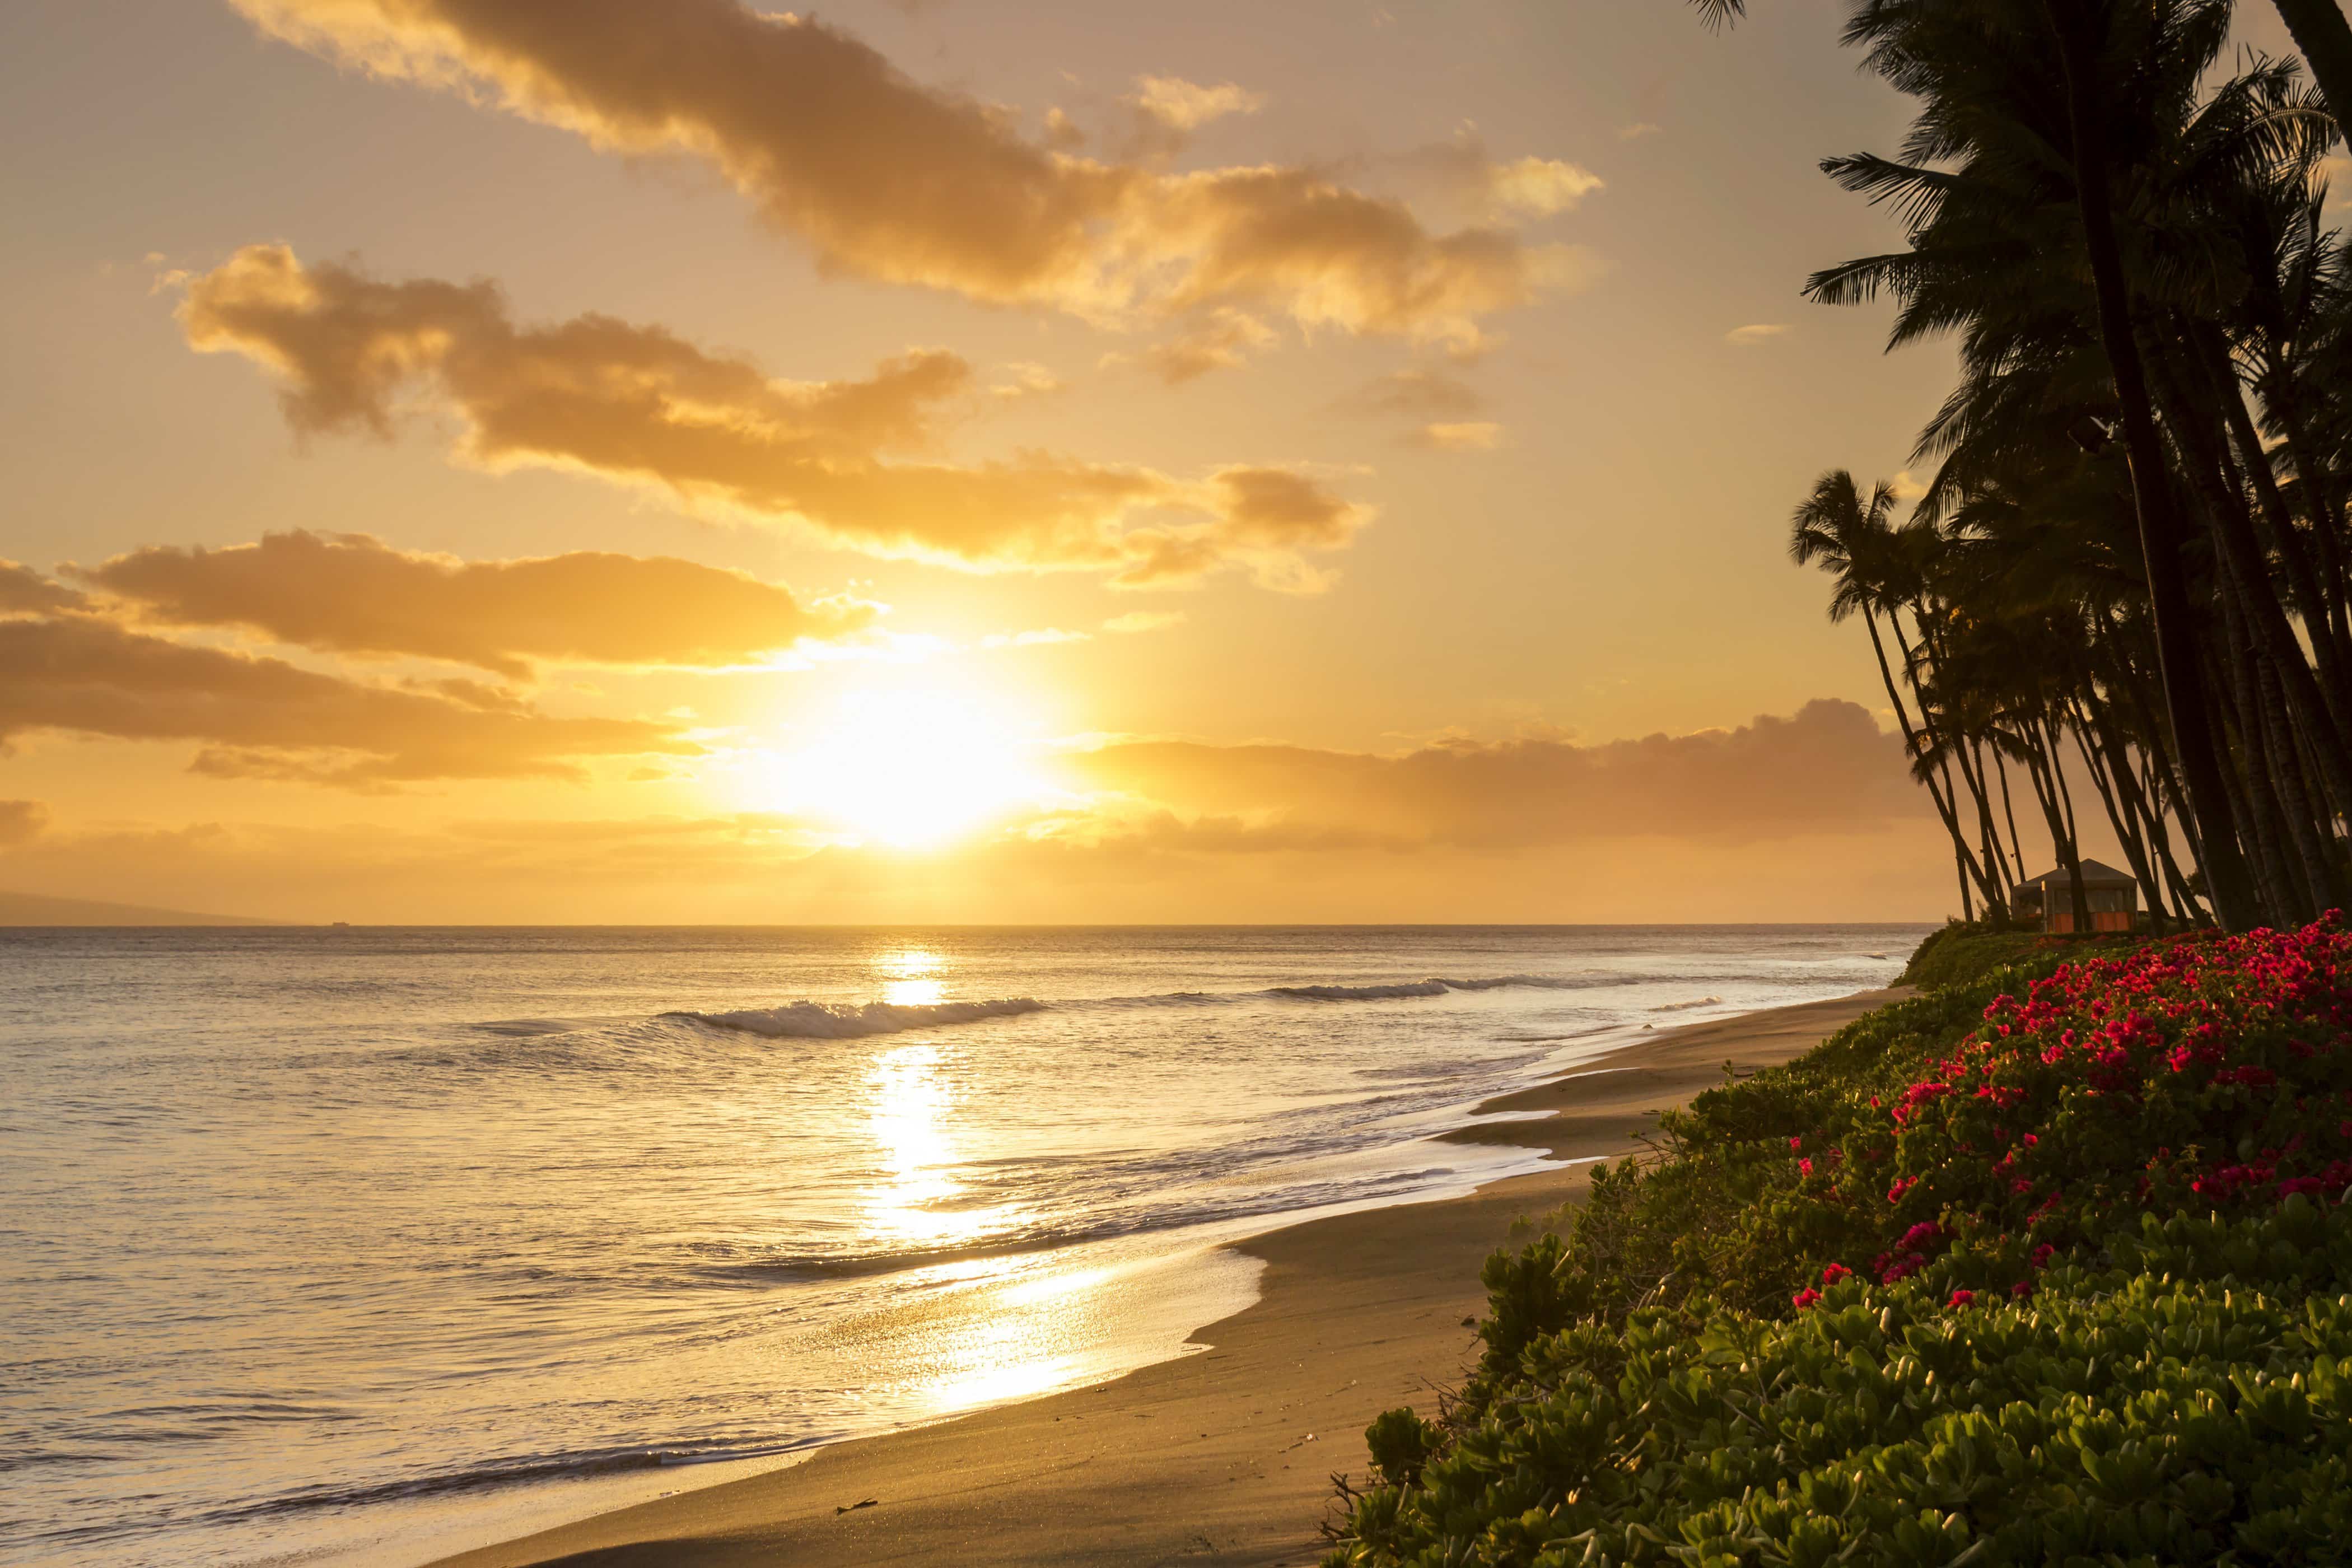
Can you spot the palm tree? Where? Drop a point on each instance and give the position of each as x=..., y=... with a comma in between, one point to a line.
x=1849, y=536
x=2317, y=27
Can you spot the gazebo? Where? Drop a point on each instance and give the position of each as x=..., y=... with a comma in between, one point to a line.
x=2112, y=895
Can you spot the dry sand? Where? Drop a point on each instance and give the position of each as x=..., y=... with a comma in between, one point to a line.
x=1224, y=1456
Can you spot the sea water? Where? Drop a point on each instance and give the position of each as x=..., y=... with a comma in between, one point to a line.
x=366, y=1244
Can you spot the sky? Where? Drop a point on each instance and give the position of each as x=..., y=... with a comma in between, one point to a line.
x=959, y=460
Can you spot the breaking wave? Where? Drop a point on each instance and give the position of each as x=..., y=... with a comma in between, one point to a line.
x=1687, y=1006
x=1360, y=993
x=843, y=1021
x=1440, y=986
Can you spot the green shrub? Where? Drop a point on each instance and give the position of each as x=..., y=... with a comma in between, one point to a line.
x=2043, y=1268
x=2110, y=1419
x=1959, y=954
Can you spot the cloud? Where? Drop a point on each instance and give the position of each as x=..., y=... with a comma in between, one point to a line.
x=1268, y=516
x=1520, y=187
x=263, y=718
x=1471, y=436
x=1828, y=767
x=1143, y=621
x=1811, y=816
x=1636, y=130
x=1758, y=333
x=22, y=821
x=884, y=177
x=1183, y=105
x=1222, y=342
x=638, y=405
x=1025, y=379
x=1418, y=394
x=346, y=593
x=23, y=591
x=1540, y=186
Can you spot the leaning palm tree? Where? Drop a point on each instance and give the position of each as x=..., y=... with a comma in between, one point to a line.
x=1852, y=537
x=2317, y=27
x=2005, y=185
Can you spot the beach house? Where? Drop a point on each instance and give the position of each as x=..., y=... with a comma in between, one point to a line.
x=2049, y=898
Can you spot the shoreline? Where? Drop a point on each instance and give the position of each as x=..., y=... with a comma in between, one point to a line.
x=1223, y=1456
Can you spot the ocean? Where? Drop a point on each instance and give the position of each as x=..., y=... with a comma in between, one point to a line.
x=362, y=1246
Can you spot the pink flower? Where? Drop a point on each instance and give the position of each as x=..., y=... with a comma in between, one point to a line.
x=1805, y=1298
x=1805, y=1167
x=1796, y=1143
x=1835, y=1273
x=1962, y=1298
x=2022, y=1290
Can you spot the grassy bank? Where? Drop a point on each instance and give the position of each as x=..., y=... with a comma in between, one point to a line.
x=2044, y=1266
x=1963, y=954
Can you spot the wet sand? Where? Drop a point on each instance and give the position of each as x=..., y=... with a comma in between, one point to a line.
x=1223, y=1456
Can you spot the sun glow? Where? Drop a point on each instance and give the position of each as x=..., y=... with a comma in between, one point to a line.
x=908, y=769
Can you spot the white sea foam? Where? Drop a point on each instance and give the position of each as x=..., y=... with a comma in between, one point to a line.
x=1687, y=1006
x=1439, y=986
x=844, y=1021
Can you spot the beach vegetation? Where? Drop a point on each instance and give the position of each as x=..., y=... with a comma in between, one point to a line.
x=2056, y=1266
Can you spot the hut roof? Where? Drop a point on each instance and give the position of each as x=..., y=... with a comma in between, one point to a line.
x=2095, y=874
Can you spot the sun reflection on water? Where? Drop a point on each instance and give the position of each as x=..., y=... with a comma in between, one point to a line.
x=910, y=976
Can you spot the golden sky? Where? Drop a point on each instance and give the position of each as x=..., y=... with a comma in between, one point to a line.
x=943, y=460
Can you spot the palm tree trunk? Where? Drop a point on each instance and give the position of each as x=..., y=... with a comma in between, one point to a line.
x=2159, y=527
x=2009, y=810
x=1911, y=743
x=2284, y=400
x=2057, y=756
x=2213, y=473
x=2110, y=771
x=2321, y=33
x=2303, y=573
x=2284, y=897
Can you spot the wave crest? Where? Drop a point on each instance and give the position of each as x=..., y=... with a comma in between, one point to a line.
x=843, y=1021
x=1438, y=985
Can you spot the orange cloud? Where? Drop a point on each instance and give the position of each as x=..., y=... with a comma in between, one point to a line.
x=23, y=591
x=1490, y=189
x=22, y=821
x=1183, y=105
x=1469, y=435
x=882, y=176
x=1827, y=768
x=263, y=718
x=638, y=404
x=1222, y=341
x=345, y=592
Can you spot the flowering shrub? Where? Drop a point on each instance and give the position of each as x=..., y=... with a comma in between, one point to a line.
x=2212, y=1073
x=2102, y=1203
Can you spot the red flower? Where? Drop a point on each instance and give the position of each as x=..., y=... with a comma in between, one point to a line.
x=1835, y=1273
x=1962, y=1298
x=1805, y=1298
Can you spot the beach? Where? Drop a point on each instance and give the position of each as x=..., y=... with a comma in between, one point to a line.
x=1221, y=1457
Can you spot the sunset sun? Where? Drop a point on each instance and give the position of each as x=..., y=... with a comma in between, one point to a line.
x=914, y=769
